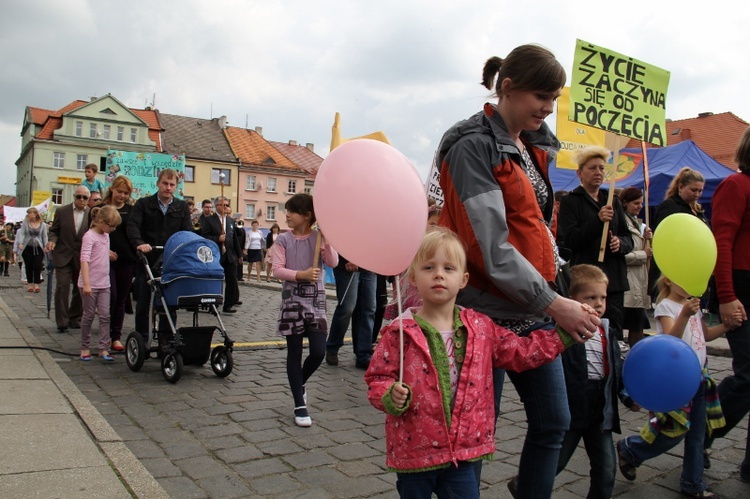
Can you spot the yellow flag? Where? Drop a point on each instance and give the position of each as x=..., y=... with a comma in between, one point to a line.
x=336, y=139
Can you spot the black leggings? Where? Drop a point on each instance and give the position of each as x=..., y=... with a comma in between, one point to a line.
x=33, y=258
x=298, y=372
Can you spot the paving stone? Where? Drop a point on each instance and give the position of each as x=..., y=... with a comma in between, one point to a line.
x=350, y=452
x=161, y=467
x=225, y=487
x=200, y=467
x=310, y=459
x=182, y=487
x=239, y=454
x=262, y=467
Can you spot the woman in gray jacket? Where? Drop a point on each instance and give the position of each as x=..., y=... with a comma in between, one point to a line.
x=32, y=239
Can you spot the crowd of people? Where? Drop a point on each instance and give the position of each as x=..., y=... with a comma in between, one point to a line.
x=511, y=279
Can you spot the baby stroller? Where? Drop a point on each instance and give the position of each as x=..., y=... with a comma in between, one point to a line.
x=191, y=279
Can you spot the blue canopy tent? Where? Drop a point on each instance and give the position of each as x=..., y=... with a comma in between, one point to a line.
x=663, y=164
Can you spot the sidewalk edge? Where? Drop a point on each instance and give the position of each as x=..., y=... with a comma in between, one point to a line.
x=126, y=464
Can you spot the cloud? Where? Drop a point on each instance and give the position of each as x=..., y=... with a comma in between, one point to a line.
x=411, y=69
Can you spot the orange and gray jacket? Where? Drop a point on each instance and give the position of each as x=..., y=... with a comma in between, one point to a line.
x=491, y=204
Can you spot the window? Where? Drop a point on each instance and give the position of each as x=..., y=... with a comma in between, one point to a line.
x=189, y=173
x=250, y=186
x=270, y=213
x=58, y=160
x=133, y=135
x=107, y=129
x=57, y=195
x=81, y=161
x=92, y=130
x=291, y=187
x=79, y=128
x=308, y=187
x=250, y=211
x=120, y=133
x=216, y=179
x=271, y=185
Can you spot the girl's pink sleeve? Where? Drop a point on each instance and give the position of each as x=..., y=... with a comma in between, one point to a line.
x=519, y=353
x=86, y=245
x=278, y=262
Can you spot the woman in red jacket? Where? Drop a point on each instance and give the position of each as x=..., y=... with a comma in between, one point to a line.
x=498, y=199
x=731, y=225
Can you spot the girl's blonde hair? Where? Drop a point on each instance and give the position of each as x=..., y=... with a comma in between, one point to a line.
x=684, y=177
x=584, y=155
x=663, y=287
x=439, y=237
x=107, y=214
x=35, y=212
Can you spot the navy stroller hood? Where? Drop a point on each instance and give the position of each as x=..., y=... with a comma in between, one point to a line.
x=187, y=254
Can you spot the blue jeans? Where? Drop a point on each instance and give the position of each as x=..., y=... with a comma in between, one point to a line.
x=635, y=450
x=354, y=290
x=452, y=483
x=734, y=391
x=545, y=399
x=542, y=391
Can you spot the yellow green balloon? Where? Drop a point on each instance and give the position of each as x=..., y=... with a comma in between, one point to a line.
x=685, y=251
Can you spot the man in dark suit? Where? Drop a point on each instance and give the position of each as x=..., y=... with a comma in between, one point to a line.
x=70, y=224
x=152, y=221
x=220, y=229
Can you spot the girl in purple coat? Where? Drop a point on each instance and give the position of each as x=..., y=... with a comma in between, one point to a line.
x=303, y=297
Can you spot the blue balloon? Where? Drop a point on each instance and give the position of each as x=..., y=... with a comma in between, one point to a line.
x=661, y=373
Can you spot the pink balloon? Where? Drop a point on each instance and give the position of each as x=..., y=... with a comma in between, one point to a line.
x=371, y=205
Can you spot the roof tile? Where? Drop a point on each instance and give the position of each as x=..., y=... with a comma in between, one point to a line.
x=715, y=134
x=196, y=138
x=254, y=150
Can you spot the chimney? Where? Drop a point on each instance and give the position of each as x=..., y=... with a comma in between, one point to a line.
x=222, y=122
x=705, y=115
x=292, y=142
x=685, y=134
x=310, y=146
x=259, y=130
x=92, y=99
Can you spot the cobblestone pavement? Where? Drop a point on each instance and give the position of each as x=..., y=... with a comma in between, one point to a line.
x=235, y=437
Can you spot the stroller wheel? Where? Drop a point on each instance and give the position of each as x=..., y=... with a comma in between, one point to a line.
x=221, y=361
x=171, y=367
x=135, y=351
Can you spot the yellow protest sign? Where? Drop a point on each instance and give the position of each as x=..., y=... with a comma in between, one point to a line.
x=38, y=197
x=572, y=135
x=618, y=94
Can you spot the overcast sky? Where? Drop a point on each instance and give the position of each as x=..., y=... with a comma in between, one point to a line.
x=410, y=68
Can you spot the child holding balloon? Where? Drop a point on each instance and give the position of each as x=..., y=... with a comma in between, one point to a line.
x=435, y=385
x=303, y=298
x=679, y=314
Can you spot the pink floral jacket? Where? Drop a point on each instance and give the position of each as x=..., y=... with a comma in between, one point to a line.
x=419, y=436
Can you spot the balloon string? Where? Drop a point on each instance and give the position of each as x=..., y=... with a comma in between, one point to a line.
x=400, y=331
x=351, y=278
